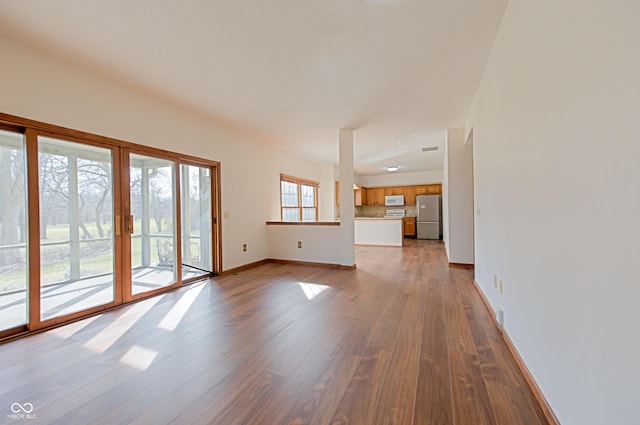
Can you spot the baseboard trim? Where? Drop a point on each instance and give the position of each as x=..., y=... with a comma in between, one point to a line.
x=244, y=267
x=537, y=393
x=278, y=261
x=378, y=245
x=486, y=302
x=533, y=386
x=311, y=263
x=462, y=266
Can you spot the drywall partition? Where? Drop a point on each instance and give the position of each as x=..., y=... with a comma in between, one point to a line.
x=445, y=198
x=347, y=210
x=308, y=243
x=458, y=198
x=327, y=194
x=37, y=86
x=557, y=201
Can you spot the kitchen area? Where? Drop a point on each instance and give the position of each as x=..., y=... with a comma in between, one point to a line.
x=384, y=216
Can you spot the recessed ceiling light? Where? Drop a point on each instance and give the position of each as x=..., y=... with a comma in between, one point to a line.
x=392, y=168
x=430, y=148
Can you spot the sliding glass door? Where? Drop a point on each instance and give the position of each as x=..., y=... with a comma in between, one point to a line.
x=88, y=223
x=77, y=242
x=152, y=224
x=196, y=214
x=13, y=231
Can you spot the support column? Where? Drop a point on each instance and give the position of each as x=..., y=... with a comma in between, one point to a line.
x=347, y=206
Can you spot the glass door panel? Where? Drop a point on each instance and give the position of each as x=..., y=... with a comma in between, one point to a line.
x=76, y=227
x=13, y=231
x=152, y=223
x=195, y=196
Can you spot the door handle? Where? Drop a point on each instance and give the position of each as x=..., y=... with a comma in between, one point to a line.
x=128, y=223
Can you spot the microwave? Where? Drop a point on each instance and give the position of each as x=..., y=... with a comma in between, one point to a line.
x=394, y=201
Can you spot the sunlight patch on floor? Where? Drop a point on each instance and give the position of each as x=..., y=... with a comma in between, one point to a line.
x=172, y=319
x=139, y=358
x=67, y=331
x=311, y=290
x=109, y=335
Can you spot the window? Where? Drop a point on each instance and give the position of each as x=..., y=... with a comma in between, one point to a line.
x=298, y=199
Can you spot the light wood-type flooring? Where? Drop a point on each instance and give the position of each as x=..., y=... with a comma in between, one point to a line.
x=403, y=339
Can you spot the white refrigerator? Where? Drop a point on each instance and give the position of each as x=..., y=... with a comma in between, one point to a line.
x=429, y=216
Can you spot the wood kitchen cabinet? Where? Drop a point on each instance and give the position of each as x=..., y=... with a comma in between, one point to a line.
x=409, y=226
x=371, y=197
x=409, y=195
x=434, y=189
x=375, y=196
x=421, y=189
x=360, y=196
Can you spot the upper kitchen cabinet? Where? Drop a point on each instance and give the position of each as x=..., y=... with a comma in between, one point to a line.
x=360, y=196
x=421, y=190
x=434, y=189
x=375, y=196
x=409, y=195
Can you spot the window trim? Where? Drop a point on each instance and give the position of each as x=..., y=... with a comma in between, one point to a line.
x=300, y=182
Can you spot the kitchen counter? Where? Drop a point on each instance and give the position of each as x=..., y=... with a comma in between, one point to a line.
x=379, y=231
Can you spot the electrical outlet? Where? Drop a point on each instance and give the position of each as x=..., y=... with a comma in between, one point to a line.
x=495, y=280
x=299, y=244
x=244, y=246
x=500, y=317
x=501, y=287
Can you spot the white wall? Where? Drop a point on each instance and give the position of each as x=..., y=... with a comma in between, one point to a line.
x=400, y=179
x=320, y=244
x=457, y=194
x=36, y=86
x=556, y=156
x=445, y=198
x=327, y=194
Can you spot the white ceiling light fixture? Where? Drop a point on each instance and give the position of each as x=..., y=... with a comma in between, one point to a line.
x=392, y=168
x=430, y=148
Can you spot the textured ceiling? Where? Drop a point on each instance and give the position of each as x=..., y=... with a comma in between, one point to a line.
x=399, y=72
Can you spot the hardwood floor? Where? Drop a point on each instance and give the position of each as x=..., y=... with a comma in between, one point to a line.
x=403, y=339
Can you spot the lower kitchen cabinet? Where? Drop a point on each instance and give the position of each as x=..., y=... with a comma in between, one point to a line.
x=410, y=227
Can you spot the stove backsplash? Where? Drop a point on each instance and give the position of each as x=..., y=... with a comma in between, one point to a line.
x=380, y=211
